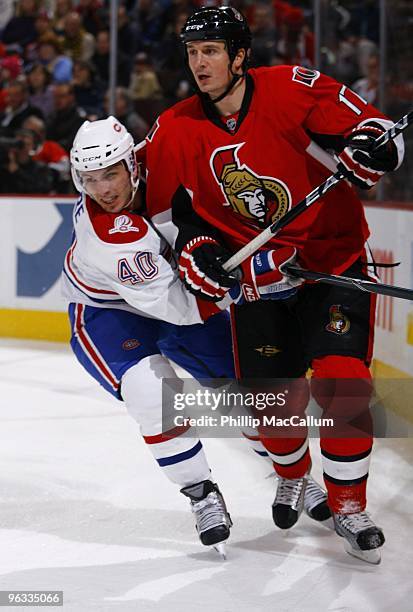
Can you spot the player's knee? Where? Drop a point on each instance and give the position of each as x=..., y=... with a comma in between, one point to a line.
x=339, y=366
x=341, y=383
x=142, y=391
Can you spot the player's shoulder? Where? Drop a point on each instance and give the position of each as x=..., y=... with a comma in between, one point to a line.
x=285, y=77
x=175, y=122
x=187, y=109
x=116, y=228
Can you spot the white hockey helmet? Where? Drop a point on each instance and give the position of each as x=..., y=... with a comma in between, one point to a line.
x=100, y=144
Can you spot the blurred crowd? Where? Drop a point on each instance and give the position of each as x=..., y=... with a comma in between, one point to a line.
x=54, y=68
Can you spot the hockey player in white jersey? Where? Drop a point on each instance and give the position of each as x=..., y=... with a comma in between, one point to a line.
x=129, y=312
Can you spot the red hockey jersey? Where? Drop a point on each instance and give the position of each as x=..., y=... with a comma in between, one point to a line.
x=244, y=176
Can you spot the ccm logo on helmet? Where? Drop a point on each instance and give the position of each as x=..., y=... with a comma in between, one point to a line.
x=89, y=159
x=195, y=27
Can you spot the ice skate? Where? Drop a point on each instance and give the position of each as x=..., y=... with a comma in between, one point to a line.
x=361, y=536
x=213, y=521
x=289, y=501
x=315, y=503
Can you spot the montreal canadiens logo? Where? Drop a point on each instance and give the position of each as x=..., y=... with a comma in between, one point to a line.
x=261, y=200
x=130, y=344
x=123, y=224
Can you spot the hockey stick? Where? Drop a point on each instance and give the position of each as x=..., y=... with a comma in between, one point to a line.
x=351, y=283
x=310, y=199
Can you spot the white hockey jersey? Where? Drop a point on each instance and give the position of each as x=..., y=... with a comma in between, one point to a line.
x=117, y=260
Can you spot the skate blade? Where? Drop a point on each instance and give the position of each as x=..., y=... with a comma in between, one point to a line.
x=369, y=556
x=221, y=550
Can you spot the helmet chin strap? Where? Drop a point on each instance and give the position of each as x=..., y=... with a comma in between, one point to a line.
x=233, y=82
x=131, y=199
x=134, y=188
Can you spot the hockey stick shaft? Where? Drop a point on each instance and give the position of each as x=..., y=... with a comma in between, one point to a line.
x=311, y=198
x=352, y=283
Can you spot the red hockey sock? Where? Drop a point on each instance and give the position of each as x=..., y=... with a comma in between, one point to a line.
x=342, y=388
x=287, y=445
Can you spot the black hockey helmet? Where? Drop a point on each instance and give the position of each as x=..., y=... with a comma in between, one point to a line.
x=220, y=23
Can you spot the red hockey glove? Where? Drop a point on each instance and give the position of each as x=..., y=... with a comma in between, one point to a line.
x=359, y=164
x=200, y=268
x=208, y=309
x=264, y=277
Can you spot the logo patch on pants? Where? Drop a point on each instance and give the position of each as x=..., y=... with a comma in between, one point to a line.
x=267, y=350
x=130, y=344
x=339, y=323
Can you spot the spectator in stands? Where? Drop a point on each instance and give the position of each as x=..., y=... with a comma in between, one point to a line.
x=144, y=83
x=10, y=69
x=367, y=87
x=365, y=18
x=67, y=118
x=151, y=15
x=128, y=37
x=173, y=77
x=50, y=55
x=21, y=28
x=43, y=30
x=100, y=61
x=49, y=152
x=295, y=40
x=77, y=43
x=40, y=89
x=341, y=62
x=93, y=15
x=127, y=33
x=19, y=173
x=365, y=49
x=264, y=35
x=88, y=94
x=61, y=9
x=350, y=56
x=133, y=122
x=43, y=24
x=18, y=107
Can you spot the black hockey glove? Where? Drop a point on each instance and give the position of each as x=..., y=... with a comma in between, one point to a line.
x=200, y=268
x=359, y=163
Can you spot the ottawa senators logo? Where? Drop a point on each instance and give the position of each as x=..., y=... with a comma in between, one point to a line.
x=262, y=200
x=339, y=323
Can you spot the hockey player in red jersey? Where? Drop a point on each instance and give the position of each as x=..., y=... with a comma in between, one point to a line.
x=227, y=162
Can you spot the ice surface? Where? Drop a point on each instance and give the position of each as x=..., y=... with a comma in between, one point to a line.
x=85, y=509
